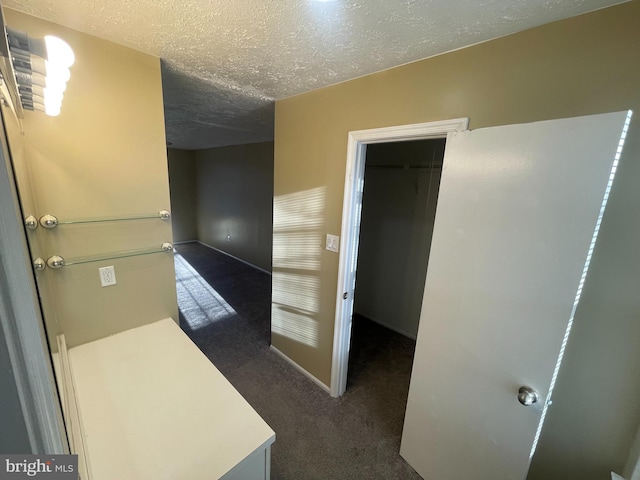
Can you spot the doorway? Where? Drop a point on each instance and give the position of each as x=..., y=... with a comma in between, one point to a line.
x=351, y=221
x=397, y=217
x=398, y=210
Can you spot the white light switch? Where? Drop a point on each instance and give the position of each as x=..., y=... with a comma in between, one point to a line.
x=333, y=243
x=107, y=276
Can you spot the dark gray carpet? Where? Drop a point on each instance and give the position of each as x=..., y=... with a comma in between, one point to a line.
x=225, y=309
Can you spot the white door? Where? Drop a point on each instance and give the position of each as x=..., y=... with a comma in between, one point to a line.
x=518, y=211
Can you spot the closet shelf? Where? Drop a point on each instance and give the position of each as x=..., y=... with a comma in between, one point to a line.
x=407, y=167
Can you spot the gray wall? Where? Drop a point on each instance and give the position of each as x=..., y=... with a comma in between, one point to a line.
x=398, y=212
x=13, y=431
x=235, y=201
x=182, y=186
x=223, y=197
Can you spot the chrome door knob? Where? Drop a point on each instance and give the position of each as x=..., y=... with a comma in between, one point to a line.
x=527, y=396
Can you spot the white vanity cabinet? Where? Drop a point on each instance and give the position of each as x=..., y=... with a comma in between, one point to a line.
x=152, y=406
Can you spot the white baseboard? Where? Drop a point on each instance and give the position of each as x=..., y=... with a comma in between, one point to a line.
x=232, y=256
x=301, y=370
x=386, y=325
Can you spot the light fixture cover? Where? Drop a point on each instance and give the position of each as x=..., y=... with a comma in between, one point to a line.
x=59, y=52
x=41, y=69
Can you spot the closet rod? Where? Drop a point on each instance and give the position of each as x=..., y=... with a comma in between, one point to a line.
x=56, y=261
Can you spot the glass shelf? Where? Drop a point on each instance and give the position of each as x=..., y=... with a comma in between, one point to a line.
x=57, y=261
x=51, y=221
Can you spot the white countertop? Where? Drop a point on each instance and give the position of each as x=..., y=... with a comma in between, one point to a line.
x=154, y=407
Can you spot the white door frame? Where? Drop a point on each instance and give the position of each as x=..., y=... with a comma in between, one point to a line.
x=354, y=179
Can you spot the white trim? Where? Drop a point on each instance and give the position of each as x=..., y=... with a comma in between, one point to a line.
x=75, y=428
x=229, y=255
x=354, y=178
x=301, y=370
x=403, y=133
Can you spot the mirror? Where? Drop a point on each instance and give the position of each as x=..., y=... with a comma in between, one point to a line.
x=100, y=168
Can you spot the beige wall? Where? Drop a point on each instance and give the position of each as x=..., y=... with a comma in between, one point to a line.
x=235, y=200
x=104, y=156
x=579, y=66
x=184, y=197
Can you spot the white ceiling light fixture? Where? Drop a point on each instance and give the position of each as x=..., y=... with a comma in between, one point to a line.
x=41, y=68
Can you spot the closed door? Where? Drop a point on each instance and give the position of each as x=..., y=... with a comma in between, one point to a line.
x=518, y=213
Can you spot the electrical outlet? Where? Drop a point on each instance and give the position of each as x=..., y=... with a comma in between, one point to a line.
x=333, y=243
x=107, y=276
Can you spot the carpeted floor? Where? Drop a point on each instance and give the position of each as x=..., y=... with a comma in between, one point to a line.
x=225, y=309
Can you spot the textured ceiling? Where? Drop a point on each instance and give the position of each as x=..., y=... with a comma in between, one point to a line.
x=224, y=62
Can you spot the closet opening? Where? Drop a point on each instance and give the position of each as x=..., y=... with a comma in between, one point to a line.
x=399, y=199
